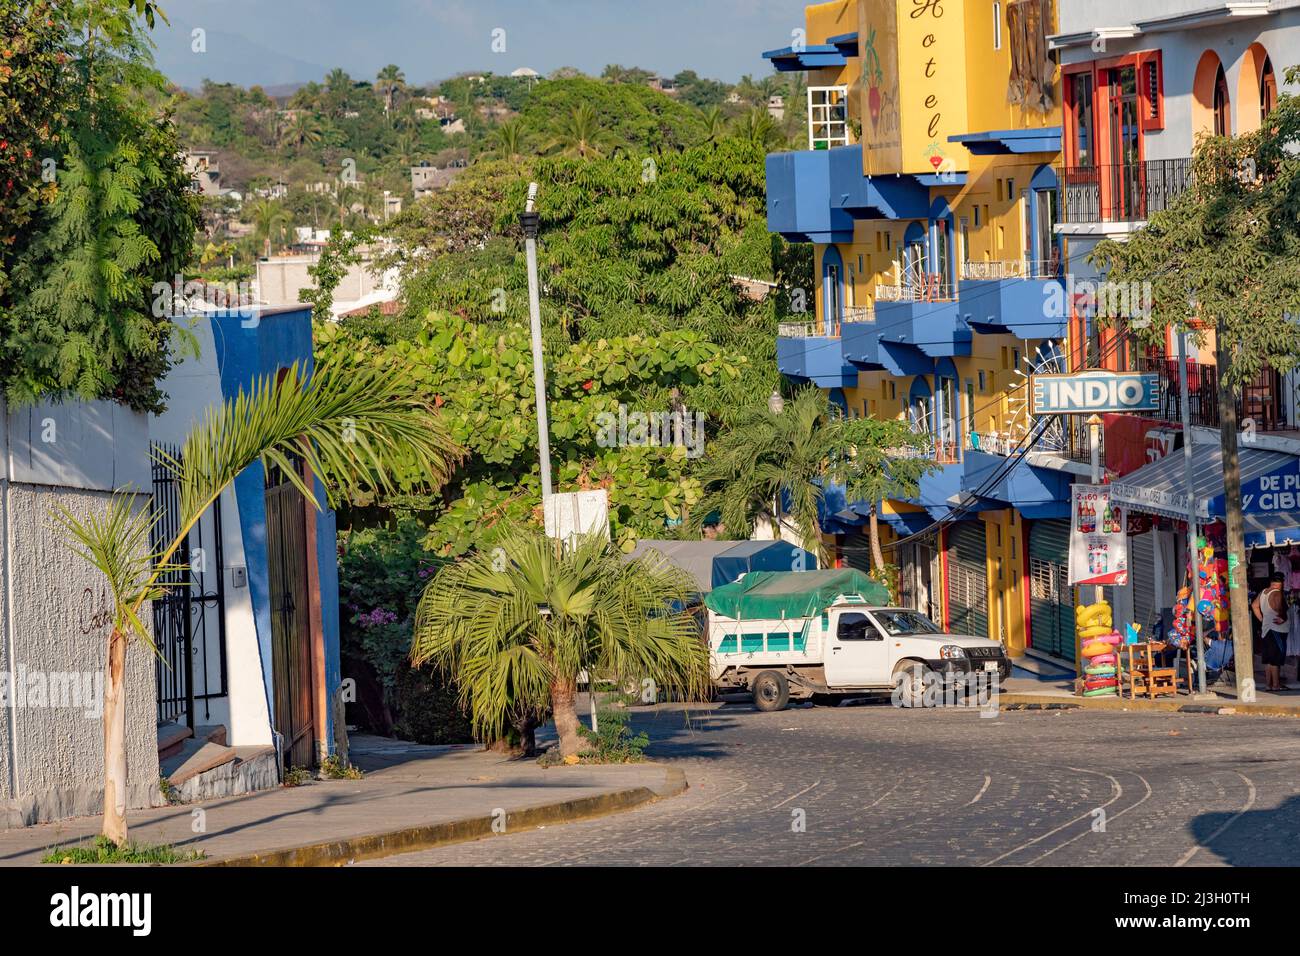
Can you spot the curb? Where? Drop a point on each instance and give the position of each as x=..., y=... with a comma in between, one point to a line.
x=372, y=846
x=1228, y=707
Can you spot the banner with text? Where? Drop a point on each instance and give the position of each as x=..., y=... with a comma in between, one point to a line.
x=1098, y=537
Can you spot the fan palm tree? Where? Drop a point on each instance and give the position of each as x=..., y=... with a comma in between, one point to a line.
x=516, y=625
x=350, y=426
x=580, y=134
x=389, y=83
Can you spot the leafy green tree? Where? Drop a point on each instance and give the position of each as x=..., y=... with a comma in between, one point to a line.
x=80, y=315
x=510, y=141
x=758, y=127
x=345, y=424
x=514, y=626
x=268, y=218
x=1222, y=263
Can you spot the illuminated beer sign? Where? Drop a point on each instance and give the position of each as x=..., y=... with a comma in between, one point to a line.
x=1091, y=392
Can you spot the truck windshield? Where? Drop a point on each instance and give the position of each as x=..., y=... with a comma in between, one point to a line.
x=895, y=623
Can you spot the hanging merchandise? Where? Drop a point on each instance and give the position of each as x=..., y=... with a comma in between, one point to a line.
x=1094, y=626
x=1212, y=587
x=1180, y=635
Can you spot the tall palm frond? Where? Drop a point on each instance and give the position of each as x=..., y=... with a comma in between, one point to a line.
x=350, y=426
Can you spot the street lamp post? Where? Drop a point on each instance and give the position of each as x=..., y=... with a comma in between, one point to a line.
x=530, y=221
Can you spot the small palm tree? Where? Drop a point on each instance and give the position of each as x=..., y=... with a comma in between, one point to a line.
x=302, y=131
x=515, y=626
x=580, y=134
x=350, y=426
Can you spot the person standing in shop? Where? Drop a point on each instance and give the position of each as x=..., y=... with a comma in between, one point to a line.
x=1269, y=609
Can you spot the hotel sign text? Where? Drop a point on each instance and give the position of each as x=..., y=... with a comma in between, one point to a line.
x=1088, y=393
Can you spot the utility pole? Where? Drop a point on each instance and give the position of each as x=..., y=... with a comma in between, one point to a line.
x=1094, y=445
x=530, y=222
x=1186, y=408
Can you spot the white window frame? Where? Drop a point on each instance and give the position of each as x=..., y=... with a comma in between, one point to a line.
x=828, y=117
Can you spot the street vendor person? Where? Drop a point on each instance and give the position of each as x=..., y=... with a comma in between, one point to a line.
x=1269, y=609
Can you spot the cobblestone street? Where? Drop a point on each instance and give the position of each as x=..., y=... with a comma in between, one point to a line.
x=873, y=784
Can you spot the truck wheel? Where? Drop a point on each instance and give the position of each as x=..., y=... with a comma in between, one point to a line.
x=771, y=691
x=909, y=683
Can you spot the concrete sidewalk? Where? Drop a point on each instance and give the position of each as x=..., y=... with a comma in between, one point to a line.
x=412, y=797
x=1048, y=685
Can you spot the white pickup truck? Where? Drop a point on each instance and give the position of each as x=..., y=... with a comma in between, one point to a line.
x=790, y=635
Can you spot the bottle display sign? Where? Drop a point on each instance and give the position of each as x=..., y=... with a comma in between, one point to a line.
x=1098, y=537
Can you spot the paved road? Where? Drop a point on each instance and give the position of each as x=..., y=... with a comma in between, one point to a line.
x=877, y=785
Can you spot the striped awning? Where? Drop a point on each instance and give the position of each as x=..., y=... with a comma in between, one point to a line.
x=1161, y=487
x=1268, y=530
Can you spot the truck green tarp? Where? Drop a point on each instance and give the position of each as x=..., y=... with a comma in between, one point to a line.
x=773, y=595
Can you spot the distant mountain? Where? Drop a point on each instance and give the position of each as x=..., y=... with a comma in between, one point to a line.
x=229, y=58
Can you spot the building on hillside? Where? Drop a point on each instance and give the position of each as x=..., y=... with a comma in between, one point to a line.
x=663, y=84
x=280, y=279
x=204, y=171
x=427, y=178
x=1140, y=81
x=928, y=189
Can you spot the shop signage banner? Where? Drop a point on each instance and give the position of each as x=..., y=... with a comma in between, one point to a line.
x=1098, y=537
x=1094, y=392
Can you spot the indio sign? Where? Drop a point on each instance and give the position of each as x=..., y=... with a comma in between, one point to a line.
x=1092, y=392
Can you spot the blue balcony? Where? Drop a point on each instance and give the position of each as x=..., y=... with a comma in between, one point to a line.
x=1033, y=491
x=930, y=328
x=805, y=356
x=816, y=195
x=1020, y=298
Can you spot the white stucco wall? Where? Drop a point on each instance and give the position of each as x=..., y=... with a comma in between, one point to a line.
x=53, y=614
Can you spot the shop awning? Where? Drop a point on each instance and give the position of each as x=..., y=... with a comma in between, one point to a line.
x=1268, y=530
x=1267, y=478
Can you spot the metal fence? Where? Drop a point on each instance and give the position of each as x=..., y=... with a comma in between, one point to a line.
x=1122, y=192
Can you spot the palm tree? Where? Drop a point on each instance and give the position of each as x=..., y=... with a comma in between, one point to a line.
x=303, y=130
x=349, y=425
x=390, y=81
x=580, y=134
x=758, y=127
x=714, y=123
x=516, y=625
x=510, y=140
x=267, y=216
x=765, y=457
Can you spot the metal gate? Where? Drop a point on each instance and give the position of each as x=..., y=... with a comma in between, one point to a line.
x=189, y=622
x=286, y=546
x=968, y=580
x=1051, y=599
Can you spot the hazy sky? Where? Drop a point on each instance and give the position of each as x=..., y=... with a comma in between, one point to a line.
x=287, y=41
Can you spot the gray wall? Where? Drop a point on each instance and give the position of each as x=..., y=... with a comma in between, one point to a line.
x=52, y=606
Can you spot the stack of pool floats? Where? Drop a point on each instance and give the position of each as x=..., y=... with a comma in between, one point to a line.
x=1099, y=642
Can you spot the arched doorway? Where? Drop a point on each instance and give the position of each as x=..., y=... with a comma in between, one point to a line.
x=920, y=407
x=941, y=249
x=832, y=291
x=915, y=260
x=1256, y=88
x=1211, y=104
x=947, y=412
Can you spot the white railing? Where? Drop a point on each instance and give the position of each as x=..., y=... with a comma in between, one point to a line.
x=800, y=330
x=1010, y=269
x=828, y=116
x=859, y=313
x=930, y=289
x=993, y=443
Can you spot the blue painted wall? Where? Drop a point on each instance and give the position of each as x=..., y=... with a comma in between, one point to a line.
x=250, y=348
